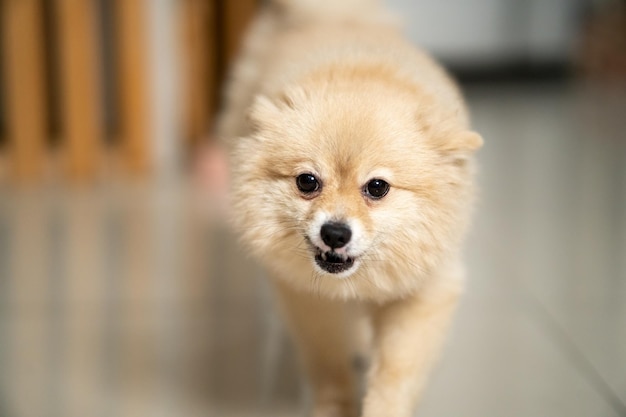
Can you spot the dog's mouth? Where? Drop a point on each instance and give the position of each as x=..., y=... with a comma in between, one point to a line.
x=333, y=262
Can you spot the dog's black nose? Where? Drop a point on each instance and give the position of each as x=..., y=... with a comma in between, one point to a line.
x=336, y=235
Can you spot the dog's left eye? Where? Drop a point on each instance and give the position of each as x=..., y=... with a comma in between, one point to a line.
x=376, y=188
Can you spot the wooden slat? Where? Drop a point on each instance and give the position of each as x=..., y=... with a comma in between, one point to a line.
x=131, y=20
x=237, y=17
x=198, y=39
x=80, y=87
x=21, y=32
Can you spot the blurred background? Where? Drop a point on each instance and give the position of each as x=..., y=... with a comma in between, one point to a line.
x=122, y=292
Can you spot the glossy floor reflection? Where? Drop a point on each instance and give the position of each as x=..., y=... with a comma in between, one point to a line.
x=131, y=300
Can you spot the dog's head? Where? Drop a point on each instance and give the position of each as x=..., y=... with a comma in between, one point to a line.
x=353, y=192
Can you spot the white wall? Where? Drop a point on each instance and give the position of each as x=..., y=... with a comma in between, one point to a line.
x=164, y=81
x=478, y=32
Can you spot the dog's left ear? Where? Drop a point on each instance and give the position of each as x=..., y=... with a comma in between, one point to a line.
x=466, y=141
x=459, y=146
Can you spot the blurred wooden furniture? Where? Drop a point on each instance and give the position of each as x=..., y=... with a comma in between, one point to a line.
x=197, y=24
x=133, y=73
x=23, y=85
x=602, y=48
x=70, y=70
x=80, y=87
x=212, y=33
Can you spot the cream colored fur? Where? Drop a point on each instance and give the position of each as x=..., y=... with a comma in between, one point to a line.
x=331, y=88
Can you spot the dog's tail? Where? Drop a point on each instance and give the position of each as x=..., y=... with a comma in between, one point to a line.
x=300, y=11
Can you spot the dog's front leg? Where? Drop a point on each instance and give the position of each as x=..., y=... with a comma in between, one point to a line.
x=408, y=336
x=326, y=335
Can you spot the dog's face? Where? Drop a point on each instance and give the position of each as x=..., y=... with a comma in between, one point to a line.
x=352, y=193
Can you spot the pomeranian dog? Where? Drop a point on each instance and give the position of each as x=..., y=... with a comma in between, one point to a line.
x=352, y=184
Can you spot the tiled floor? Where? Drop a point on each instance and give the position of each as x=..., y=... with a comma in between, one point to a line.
x=130, y=300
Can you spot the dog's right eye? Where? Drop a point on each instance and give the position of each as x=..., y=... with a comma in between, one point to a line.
x=307, y=183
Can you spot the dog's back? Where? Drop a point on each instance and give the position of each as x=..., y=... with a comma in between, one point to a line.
x=290, y=38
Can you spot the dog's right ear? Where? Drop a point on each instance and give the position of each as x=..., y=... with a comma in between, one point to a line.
x=263, y=113
x=267, y=113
